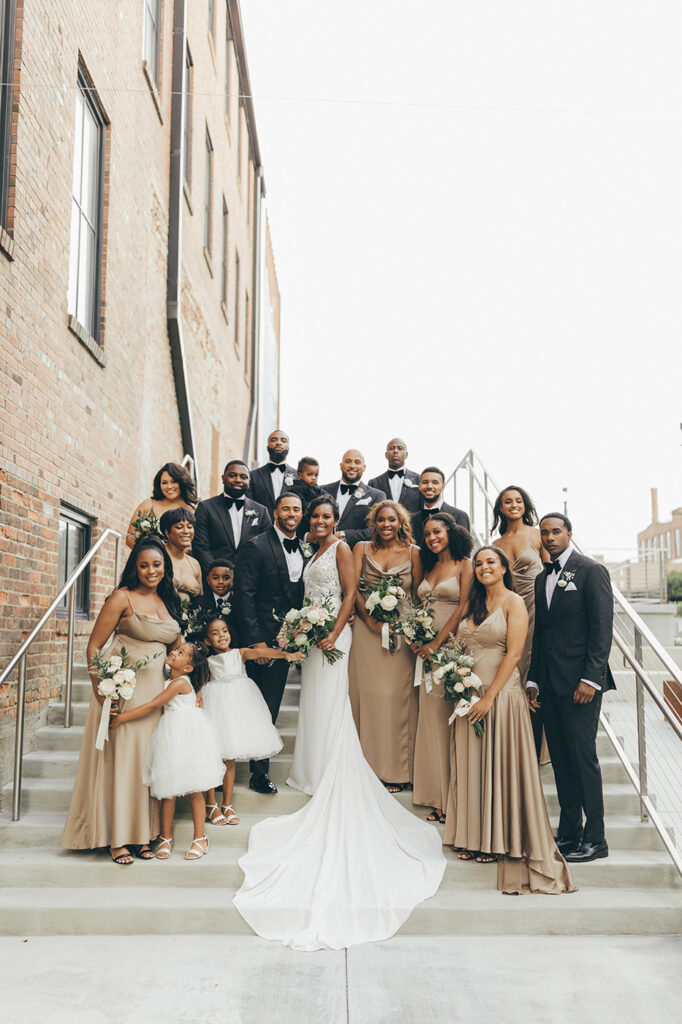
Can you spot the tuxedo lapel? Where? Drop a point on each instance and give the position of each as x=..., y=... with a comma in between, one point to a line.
x=281, y=563
x=570, y=566
x=247, y=521
x=267, y=478
x=350, y=505
x=224, y=516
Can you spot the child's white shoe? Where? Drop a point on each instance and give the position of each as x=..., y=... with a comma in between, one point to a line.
x=196, y=850
x=214, y=816
x=232, y=818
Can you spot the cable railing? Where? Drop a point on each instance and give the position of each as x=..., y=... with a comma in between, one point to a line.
x=640, y=718
x=18, y=661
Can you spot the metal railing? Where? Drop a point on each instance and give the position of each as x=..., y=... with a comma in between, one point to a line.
x=18, y=661
x=638, y=719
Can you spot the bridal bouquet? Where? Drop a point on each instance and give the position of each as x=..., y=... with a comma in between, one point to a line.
x=303, y=628
x=195, y=619
x=416, y=625
x=146, y=524
x=381, y=603
x=452, y=669
x=117, y=679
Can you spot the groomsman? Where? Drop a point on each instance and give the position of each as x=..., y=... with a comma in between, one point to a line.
x=570, y=668
x=353, y=498
x=268, y=481
x=226, y=522
x=398, y=482
x=431, y=484
x=269, y=582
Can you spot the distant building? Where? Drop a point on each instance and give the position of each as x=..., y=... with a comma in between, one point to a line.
x=660, y=540
x=133, y=252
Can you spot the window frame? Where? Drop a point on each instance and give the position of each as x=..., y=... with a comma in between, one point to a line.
x=208, y=193
x=237, y=285
x=187, y=89
x=84, y=523
x=8, y=25
x=224, y=282
x=155, y=51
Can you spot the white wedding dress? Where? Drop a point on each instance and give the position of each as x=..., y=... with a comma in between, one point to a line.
x=351, y=865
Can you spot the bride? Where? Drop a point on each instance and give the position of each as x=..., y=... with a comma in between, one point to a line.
x=351, y=865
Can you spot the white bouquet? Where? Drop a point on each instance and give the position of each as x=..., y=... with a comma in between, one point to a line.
x=117, y=679
x=451, y=667
x=381, y=603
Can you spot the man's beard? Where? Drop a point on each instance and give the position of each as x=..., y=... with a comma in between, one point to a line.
x=235, y=492
x=277, y=457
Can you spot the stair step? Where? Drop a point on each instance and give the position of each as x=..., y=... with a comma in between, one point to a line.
x=197, y=909
x=288, y=715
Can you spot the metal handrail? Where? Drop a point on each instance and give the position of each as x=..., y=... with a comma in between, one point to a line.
x=19, y=659
x=468, y=462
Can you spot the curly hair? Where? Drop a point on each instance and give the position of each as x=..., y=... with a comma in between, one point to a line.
x=321, y=499
x=166, y=591
x=199, y=673
x=459, y=541
x=188, y=491
x=530, y=516
x=477, y=608
x=404, y=525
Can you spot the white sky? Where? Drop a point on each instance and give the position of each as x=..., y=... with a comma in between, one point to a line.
x=477, y=218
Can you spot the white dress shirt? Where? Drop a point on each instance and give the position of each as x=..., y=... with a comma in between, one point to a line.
x=343, y=499
x=436, y=507
x=395, y=484
x=277, y=478
x=237, y=520
x=550, y=586
x=294, y=559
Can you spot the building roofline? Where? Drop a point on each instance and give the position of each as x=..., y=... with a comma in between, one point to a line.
x=246, y=98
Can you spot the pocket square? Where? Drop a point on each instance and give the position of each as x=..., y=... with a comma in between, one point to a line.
x=365, y=501
x=571, y=586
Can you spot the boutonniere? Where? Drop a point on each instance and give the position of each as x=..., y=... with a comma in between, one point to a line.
x=408, y=483
x=307, y=550
x=250, y=513
x=565, y=579
x=358, y=492
x=288, y=479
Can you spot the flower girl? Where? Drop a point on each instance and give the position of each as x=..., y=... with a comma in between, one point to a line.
x=182, y=755
x=238, y=712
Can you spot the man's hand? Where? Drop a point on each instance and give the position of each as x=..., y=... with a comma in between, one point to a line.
x=583, y=693
x=533, y=698
x=263, y=646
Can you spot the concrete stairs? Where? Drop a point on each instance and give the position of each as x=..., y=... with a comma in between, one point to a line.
x=47, y=891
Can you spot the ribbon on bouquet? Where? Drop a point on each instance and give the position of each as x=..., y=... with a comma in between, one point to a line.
x=386, y=638
x=103, y=731
x=420, y=672
x=463, y=707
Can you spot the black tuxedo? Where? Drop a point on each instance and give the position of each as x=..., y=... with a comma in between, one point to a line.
x=460, y=517
x=262, y=586
x=353, y=519
x=213, y=533
x=207, y=603
x=260, y=485
x=409, y=496
x=572, y=641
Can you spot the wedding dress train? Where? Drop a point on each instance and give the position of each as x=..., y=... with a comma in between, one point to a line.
x=351, y=865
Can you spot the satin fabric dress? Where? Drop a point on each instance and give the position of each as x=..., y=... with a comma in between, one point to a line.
x=382, y=692
x=496, y=804
x=432, y=747
x=110, y=805
x=187, y=576
x=524, y=570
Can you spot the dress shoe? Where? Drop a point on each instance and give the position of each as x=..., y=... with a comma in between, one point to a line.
x=565, y=846
x=262, y=784
x=587, y=851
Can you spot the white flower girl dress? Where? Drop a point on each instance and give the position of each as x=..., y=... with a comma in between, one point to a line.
x=237, y=711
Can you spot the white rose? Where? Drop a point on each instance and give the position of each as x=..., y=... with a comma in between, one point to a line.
x=115, y=661
x=438, y=674
x=475, y=682
x=458, y=687
x=302, y=642
x=291, y=615
x=119, y=678
x=288, y=480
x=125, y=691
x=371, y=602
x=389, y=602
x=314, y=615
x=107, y=687
x=129, y=675
x=463, y=671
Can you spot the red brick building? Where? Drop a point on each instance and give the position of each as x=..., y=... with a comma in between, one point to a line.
x=133, y=244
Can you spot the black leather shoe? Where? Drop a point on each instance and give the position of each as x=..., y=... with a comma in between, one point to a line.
x=565, y=846
x=586, y=852
x=262, y=784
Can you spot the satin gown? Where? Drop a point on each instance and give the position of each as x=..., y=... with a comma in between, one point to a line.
x=110, y=805
x=351, y=865
x=524, y=570
x=382, y=692
x=432, y=747
x=496, y=804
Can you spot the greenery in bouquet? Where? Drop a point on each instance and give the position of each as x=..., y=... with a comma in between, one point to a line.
x=117, y=675
x=303, y=628
x=382, y=603
x=145, y=524
x=416, y=623
x=452, y=668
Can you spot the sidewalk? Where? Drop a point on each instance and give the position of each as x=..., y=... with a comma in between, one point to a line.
x=207, y=979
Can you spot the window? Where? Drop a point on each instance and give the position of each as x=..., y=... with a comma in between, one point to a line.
x=187, y=118
x=236, y=300
x=86, y=210
x=208, y=192
x=152, y=38
x=224, y=253
x=247, y=347
x=211, y=18
x=7, y=35
x=228, y=64
x=75, y=530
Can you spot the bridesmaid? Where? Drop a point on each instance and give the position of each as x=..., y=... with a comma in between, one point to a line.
x=381, y=684
x=110, y=806
x=496, y=808
x=444, y=556
x=515, y=516
x=177, y=526
x=173, y=487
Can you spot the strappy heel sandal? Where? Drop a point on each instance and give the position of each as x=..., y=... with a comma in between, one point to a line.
x=232, y=818
x=200, y=851
x=487, y=858
x=214, y=816
x=466, y=855
x=434, y=816
x=144, y=852
x=163, y=850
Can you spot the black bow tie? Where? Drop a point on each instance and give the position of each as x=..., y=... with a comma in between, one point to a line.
x=272, y=466
x=220, y=601
x=395, y=472
x=290, y=545
x=427, y=512
x=237, y=502
x=347, y=488
x=553, y=567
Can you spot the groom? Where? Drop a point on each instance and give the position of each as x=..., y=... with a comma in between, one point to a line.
x=269, y=578
x=570, y=667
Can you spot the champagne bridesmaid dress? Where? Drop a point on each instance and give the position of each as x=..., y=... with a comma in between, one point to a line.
x=524, y=570
x=496, y=804
x=186, y=576
x=110, y=805
x=382, y=692
x=432, y=747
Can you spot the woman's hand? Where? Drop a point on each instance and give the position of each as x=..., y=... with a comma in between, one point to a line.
x=329, y=642
x=480, y=709
x=427, y=651
x=294, y=655
x=117, y=719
